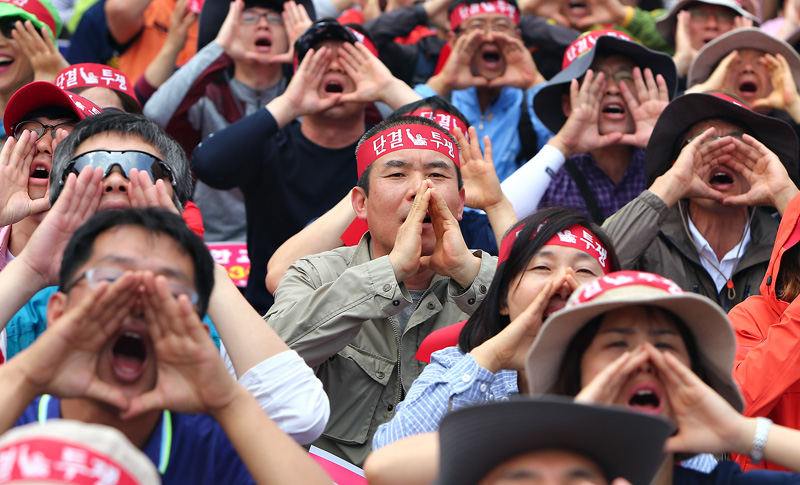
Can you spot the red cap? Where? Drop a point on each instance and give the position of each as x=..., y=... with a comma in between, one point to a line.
x=39, y=94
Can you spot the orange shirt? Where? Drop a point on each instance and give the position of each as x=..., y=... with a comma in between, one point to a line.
x=144, y=48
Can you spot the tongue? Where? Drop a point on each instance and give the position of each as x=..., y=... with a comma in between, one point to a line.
x=127, y=365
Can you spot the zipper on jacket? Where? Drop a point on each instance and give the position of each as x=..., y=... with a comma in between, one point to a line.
x=398, y=392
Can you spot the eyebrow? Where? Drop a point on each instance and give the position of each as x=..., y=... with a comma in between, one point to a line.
x=395, y=163
x=163, y=270
x=580, y=255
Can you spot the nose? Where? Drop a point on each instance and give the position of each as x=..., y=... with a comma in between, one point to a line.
x=611, y=85
x=115, y=182
x=333, y=64
x=45, y=143
x=712, y=23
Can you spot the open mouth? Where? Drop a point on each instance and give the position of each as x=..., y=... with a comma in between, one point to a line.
x=748, y=87
x=6, y=61
x=645, y=398
x=491, y=56
x=720, y=178
x=40, y=173
x=614, y=108
x=264, y=43
x=129, y=356
x=334, y=87
x=577, y=5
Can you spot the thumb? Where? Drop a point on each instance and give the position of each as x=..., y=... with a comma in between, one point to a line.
x=143, y=403
x=105, y=393
x=39, y=205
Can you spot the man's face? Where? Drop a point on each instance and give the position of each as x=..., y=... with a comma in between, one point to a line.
x=394, y=180
x=749, y=77
x=615, y=115
x=116, y=186
x=262, y=31
x=127, y=360
x=336, y=81
x=42, y=164
x=546, y=467
x=488, y=61
x=708, y=22
x=721, y=177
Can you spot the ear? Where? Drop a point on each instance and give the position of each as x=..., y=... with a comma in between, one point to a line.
x=566, y=105
x=56, y=306
x=504, y=311
x=462, y=198
x=359, y=199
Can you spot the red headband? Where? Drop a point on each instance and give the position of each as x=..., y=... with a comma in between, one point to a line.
x=444, y=119
x=575, y=236
x=60, y=462
x=95, y=75
x=465, y=11
x=405, y=137
x=619, y=279
x=586, y=42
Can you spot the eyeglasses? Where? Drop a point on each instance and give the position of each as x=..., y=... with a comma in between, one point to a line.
x=724, y=17
x=40, y=128
x=95, y=276
x=250, y=17
x=8, y=25
x=125, y=160
x=619, y=76
x=502, y=26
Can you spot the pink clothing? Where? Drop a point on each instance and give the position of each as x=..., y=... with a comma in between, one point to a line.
x=5, y=256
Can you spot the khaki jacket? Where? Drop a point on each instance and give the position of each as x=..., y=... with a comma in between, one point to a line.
x=649, y=236
x=338, y=311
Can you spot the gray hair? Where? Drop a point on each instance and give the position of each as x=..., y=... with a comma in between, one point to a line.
x=124, y=124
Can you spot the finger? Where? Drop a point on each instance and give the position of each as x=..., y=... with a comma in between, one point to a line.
x=164, y=199
x=642, y=92
x=629, y=97
x=106, y=393
x=663, y=89
x=652, y=85
x=136, y=190
x=144, y=402
x=464, y=153
x=487, y=155
x=420, y=206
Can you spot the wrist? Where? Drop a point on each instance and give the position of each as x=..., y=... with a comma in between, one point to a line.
x=485, y=357
x=467, y=272
x=440, y=85
x=234, y=407
x=624, y=15
x=668, y=189
x=782, y=197
x=283, y=110
x=558, y=143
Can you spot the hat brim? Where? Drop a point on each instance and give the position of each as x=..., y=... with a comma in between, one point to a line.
x=475, y=440
x=685, y=111
x=11, y=10
x=38, y=94
x=713, y=335
x=712, y=53
x=667, y=23
x=547, y=102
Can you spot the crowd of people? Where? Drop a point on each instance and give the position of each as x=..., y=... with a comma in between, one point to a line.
x=476, y=241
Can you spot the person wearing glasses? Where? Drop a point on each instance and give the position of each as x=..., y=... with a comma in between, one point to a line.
x=489, y=76
x=714, y=168
x=126, y=348
x=136, y=165
x=231, y=77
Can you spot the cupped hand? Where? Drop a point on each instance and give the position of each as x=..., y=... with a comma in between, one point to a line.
x=296, y=21
x=371, y=76
x=521, y=71
x=646, y=104
x=481, y=184
x=456, y=71
x=41, y=49
x=144, y=193
x=191, y=375
x=16, y=158
x=407, y=250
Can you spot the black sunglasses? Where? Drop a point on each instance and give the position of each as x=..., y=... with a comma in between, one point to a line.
x=125, y=160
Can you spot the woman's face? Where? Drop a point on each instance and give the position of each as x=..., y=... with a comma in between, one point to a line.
x=628, y=329
x=15, y=67
x=550, y=263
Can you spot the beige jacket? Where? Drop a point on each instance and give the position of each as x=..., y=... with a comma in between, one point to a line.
x=338, y=311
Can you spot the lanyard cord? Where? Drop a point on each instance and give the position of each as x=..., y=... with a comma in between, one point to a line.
x=166, y=432
x=728, y=279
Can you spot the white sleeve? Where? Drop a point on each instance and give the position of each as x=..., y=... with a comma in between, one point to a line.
x=525, y=187
x=289, y=392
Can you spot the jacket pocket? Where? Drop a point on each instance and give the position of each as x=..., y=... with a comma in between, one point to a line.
x=355, y=383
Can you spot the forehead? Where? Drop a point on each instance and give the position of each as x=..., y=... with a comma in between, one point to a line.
x=750, y=53
x=116, y=142
x=260, y=10
x=722, y=127
x=613, y=62
x=566, y=254
x=133, y=248
x=331, y=44
x=547, y=466
x=414, y=159
x=487, y=17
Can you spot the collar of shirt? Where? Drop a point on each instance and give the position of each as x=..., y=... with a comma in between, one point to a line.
x=729, y=261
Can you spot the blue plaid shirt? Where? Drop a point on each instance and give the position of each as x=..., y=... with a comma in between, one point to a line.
x=610, y=197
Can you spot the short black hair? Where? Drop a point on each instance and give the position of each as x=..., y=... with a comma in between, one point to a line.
x=52, y=112
x=126, y=125
x=401, y=119
x=154, y=221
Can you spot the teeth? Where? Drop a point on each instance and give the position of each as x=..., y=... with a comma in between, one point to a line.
x=133, y=335
x=645, y=392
